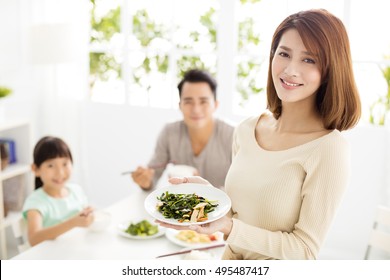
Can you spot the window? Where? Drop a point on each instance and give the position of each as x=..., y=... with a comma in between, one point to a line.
x=139, y=49
x=371, y=57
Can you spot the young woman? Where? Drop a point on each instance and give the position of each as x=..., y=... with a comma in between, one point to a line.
x=55, y=206
x=291, y=164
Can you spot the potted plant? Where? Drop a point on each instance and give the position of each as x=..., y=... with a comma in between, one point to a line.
x=380, y=108
x=4, y=91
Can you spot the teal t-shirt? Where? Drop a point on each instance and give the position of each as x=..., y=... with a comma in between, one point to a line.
x=56, y=210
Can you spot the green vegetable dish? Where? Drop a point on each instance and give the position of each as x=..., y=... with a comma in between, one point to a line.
x=185, y=207
x=143, y=228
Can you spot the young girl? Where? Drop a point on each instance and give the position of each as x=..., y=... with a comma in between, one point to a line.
x=291, y=164
x=55, y=206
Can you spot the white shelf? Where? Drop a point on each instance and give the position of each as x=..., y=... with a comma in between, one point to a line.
x=20, y=132
x=13, y=124
x=13, y=170
x=12, y=217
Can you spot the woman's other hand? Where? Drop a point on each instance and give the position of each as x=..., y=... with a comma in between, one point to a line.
x=191, y=179
x=223, y=225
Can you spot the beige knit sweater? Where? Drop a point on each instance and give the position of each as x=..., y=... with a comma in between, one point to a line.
x=283, y=202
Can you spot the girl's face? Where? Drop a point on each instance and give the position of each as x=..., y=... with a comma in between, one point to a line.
x=295, y=72
x=55, y=172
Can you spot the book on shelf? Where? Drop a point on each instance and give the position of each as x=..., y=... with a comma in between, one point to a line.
x=9, y=149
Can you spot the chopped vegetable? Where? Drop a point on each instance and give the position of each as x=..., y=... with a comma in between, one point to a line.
x=143, y=228
x=185, y=207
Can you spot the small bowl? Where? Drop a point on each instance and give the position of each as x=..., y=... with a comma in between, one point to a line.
x=101, y=221
x=198, y=255
x=181, y=171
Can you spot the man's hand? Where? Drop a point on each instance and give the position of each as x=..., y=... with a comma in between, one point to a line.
x=143, y=176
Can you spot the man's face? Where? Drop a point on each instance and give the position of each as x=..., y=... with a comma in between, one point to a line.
x=197, y=104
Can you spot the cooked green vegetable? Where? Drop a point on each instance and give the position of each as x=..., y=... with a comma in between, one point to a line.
x=185, y=207
x=143, y=228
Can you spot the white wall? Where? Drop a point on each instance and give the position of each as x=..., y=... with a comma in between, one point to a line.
x=116, y=139
x=348, y=236
x=13, y=73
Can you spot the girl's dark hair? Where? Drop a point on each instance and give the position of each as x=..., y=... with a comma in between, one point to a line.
x=198, y=76
x=48, y=148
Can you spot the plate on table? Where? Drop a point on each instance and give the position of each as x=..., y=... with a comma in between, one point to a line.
x=210, y=193
x=122, y=227
x=192, y=239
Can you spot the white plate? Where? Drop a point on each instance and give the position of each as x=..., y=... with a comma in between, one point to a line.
x=209, y=192
x=171, y=235
x=123, y=226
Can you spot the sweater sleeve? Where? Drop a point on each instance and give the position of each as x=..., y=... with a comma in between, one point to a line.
x=327, y=172
x=235, y=146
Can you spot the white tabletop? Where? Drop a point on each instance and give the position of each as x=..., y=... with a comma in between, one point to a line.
x=82, y=243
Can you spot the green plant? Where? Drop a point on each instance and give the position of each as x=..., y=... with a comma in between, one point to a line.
x=247, y=69
x=4, y=91
x=105, y=27
x=146, y=29
x=381, y=107
x=104, y=65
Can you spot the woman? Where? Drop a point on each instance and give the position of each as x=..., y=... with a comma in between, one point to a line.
x=291, y=164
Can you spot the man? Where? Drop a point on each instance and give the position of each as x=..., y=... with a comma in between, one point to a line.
x=199, y=140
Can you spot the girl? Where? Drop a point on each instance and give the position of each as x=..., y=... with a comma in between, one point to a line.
x=291, y=164
x=55, y=206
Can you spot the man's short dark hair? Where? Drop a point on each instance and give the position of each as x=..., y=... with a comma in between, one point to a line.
x=198, y=76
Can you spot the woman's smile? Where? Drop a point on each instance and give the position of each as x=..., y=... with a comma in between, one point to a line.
x=289, y=84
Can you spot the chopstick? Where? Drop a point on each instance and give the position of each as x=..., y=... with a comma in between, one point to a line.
x=189, y=250
x=128, y=172
x=154, y=166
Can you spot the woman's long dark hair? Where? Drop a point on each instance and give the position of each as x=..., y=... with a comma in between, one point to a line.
x=48, y=148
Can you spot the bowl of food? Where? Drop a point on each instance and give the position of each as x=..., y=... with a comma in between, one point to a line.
x=143, y=229
x=187, y=204
x=193, y=239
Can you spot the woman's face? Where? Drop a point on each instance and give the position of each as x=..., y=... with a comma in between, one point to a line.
x=295, y=71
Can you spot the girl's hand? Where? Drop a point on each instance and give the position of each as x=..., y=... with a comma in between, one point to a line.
x=84, y=218
x=223, y=225
x=87, y=210
x=191, y=179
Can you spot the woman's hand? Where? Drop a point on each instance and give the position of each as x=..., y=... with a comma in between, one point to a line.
x=191, y=179
x=223, y=225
